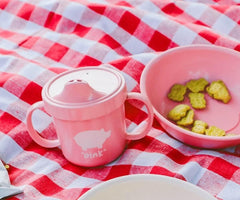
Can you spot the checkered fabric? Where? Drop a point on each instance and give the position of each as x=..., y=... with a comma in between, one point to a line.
x=40, y=39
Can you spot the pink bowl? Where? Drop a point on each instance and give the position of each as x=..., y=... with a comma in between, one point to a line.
x=181, y=64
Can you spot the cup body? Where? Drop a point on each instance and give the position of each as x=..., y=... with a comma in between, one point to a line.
x=87, y=107
x=95, y=141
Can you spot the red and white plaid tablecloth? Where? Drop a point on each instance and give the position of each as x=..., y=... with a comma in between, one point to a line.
x=41, y=38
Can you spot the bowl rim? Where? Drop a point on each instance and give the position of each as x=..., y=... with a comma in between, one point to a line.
x=160, y=118
x=142, y=177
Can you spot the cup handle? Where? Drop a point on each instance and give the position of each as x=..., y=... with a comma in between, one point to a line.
x=33, y=133
x=143, y=128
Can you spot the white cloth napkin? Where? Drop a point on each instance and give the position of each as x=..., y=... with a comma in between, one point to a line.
x=6, y=189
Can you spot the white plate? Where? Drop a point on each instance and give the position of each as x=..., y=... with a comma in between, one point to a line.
x=146, y=187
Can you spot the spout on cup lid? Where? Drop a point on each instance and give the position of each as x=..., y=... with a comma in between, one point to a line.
x=78, y=91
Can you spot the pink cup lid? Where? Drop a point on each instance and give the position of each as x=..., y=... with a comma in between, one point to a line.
x=84, y=93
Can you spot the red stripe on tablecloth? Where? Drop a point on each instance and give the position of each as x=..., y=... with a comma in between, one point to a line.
x=32, y=93
x=200, y=23
x=29, y=42
x=141, y=144
x=134, y=69
x=121, y=63
x=172, y=9
x=26, y=11
x=109, y=41
x=13, y=198
x=4, y=3
x=43, y=184
x=89, y=61
x=221, y=9
x=209, y=35
x=81, y=30
x=119, y=170
x=48, y=189
x=40, y=150
x=97, y=8
x=178, y=157
x=16, y=85
x=159, y=38
x=20, y=58
x=223, y=168
x=5, y=33
x=157, y=125
x=57, y=51
x=163, y=171
x=19, y=38
x=4, y=77
x=57, y=70
x=129, y=22
x=237, y=48
x=75, y=169
x=134, y=114
x=52, y=20
x=21, y=136
x=124, y=3
x=8, y=122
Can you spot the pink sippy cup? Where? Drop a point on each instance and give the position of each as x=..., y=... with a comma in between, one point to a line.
x=87, y=107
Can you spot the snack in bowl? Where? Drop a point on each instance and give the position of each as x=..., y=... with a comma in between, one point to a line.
x=187, y=119
x=197, y=85
x=197, y=100
x=218, y=90
x=183, y=115
x=215, y=131
x=177, y=92
x=178, y=112
x=199, y=126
